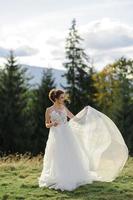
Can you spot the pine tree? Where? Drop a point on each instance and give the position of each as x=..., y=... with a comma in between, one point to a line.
x=123, y=70
x=13, y=106
x=79, y=74
x=41, y=102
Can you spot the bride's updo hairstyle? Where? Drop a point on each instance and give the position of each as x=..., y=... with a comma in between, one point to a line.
x=55, y=94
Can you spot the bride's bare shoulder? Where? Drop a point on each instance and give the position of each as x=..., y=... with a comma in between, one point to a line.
x=48, y=109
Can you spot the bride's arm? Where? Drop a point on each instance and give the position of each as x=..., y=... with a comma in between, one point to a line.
x=48, y=122
x=69, y=113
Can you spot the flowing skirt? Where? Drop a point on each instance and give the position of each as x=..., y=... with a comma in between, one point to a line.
x=89, y=147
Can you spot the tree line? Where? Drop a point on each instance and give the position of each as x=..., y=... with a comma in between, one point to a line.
x=22, y=108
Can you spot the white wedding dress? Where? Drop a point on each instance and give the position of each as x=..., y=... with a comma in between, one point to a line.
x=89, y=147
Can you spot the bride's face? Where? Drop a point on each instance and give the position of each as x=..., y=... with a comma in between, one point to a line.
x=61, y=99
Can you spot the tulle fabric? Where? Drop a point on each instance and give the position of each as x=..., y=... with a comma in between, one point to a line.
x=102, y=142
x=64, y=164
x=89, y=147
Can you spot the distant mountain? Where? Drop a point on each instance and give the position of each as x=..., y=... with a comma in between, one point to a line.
x=36, y=73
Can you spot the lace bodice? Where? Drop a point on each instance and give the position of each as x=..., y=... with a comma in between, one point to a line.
x=59, y=116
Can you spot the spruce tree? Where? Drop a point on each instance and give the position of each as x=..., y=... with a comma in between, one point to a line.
x=79, y=74
x=123, y=70
x=13, y=107
x=41, y=102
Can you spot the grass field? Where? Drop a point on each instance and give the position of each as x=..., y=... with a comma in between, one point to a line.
x=18, y=181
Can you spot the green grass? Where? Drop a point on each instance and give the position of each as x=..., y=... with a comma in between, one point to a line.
x=18, y=181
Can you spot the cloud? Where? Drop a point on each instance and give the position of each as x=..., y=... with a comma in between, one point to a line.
x=21, y=51
x=26, y=51
x=106, y=40
x=54, y=40
x=107, y=34
x=58, y=54
x=39, y=41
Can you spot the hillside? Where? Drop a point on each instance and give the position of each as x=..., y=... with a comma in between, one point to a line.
x=36, y=73
x=18, y=181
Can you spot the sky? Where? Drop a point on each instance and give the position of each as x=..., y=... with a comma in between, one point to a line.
x=37, y=29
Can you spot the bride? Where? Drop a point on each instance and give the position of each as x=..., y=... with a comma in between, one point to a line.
x=88, y=147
